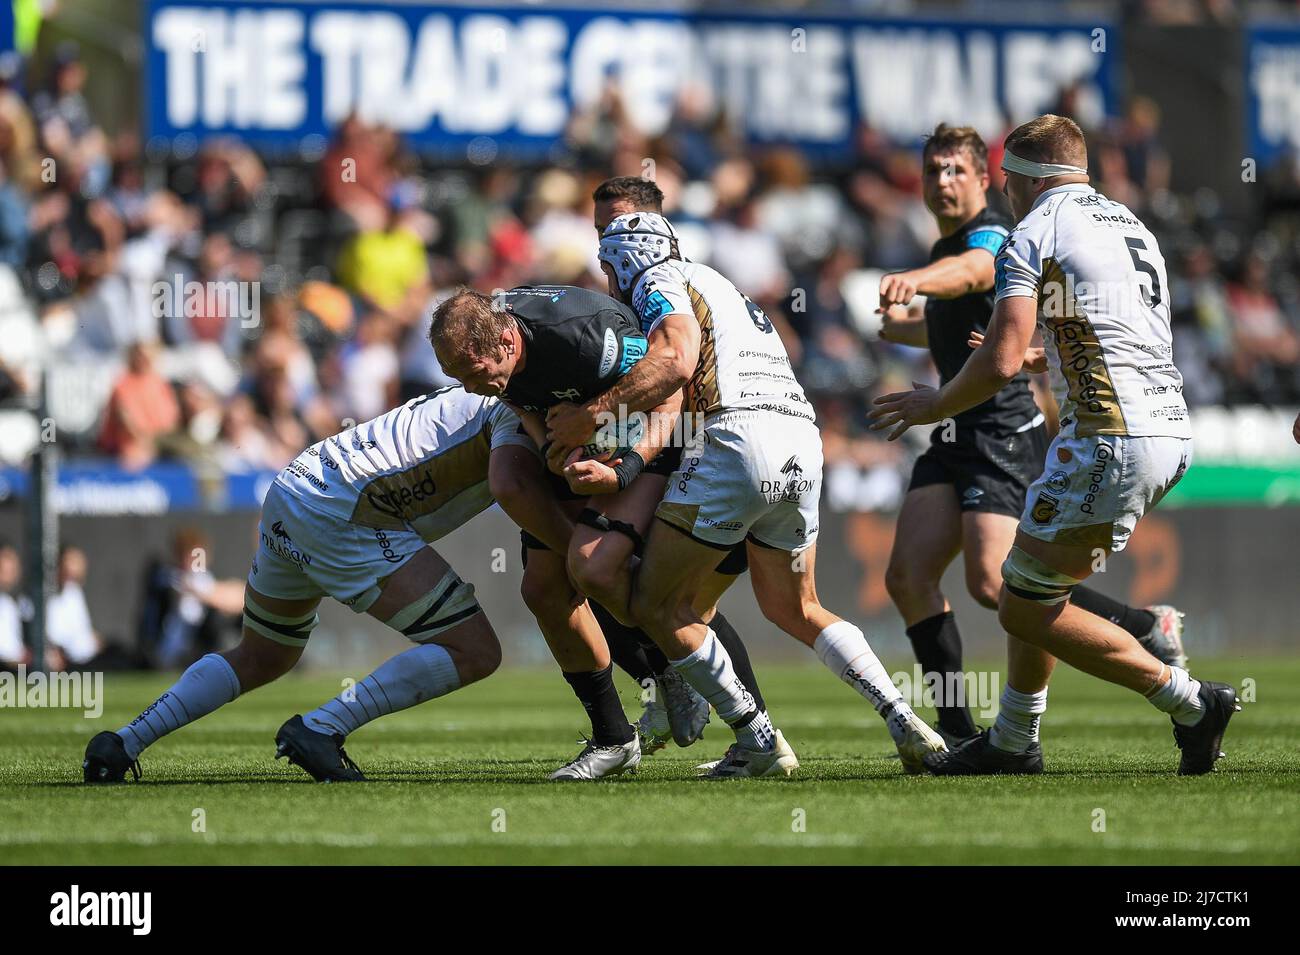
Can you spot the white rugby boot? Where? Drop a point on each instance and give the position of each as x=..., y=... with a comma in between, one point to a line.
x=1165, y=640
x=653, y=726
x=739, y=762
x=597, y=762
x=688, y=712
x=914, y=739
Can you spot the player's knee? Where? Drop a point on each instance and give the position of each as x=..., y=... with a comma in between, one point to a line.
x=647, y=608
x=544, y=596
x=789, y=615
x=594, y=574
x=257, y=661
x=479, y=659
x=904, y=583
x=984, y=589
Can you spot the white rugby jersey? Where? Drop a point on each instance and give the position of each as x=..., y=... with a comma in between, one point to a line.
x=422, y=464
x=1103, y=306
x=742, y=365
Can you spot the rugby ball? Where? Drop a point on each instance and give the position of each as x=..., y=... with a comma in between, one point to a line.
x=615, y=439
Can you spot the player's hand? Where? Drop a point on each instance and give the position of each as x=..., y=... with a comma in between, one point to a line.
x=903, y=409
x=1035, y=358
x=589, y=476
x=569, y=424
x=557, y=456
x=890, y=322
x=895, y=289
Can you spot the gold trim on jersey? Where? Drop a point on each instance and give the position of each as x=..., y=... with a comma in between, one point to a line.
x=682, y=516
x=392, y=500
x=1090, y=392
x=703, y=395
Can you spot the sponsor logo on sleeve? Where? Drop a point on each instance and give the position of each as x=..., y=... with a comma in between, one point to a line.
x=1045, y=508
x=608, y=354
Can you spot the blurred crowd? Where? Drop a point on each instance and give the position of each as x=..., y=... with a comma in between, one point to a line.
x=203, y=303
x=183, y=611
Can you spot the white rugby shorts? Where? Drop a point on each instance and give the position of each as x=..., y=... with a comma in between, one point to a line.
x=754, y=475
x=1093, y=490
x=304, y=553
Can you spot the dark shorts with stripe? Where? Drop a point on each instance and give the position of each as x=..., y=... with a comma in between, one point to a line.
x=990, y=473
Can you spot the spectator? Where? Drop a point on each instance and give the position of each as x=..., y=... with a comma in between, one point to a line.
x=71, y=636
x=142, y=408
x=15, y=610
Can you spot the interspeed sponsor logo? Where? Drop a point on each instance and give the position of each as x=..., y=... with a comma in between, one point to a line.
x=74, y=907
x=395, y=503
x=1096, y=473
x=386, y=548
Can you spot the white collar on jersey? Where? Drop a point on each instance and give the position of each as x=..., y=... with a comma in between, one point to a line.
x=1056, y=190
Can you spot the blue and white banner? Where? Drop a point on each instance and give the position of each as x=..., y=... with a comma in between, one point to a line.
x=1272, y=91
x=100, y=487
x=276, y=73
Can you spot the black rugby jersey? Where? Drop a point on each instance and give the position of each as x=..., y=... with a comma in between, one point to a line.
x=577, y=343
x=949, y=322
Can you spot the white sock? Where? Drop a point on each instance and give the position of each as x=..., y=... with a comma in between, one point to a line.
x=1017, y=723
x=709, y=670
x=1180, y=697
x=207, y=685
x=843, y=648
x=419, y=674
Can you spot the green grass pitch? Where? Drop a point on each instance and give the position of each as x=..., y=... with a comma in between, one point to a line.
x=449, y=776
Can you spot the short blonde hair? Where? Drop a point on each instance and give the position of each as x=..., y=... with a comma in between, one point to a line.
x=468, y=323
x=1049, y=138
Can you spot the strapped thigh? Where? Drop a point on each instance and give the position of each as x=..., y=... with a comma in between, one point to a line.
x=593, y=518
x=446, y=605
x=287, y=631
x=1030, y=579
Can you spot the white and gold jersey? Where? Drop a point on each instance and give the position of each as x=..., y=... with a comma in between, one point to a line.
x=1103, y=306
x=742, y=363
x=423, y=464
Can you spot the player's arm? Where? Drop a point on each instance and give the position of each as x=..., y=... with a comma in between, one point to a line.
x=902, y=327
x=948, y=277
x=517, y=481
x=986, y=372
x=534, y=426
x=590, y=476
x=672, y=352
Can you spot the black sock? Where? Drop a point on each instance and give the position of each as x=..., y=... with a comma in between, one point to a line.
x=626, y=648
x=937, y=644
x=595, y=690
x=735, y=648
x=1137, y=622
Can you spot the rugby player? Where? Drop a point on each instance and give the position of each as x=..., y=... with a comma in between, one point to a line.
x=753, y=474
x=351, y=518
x=537, y=346
x=968, y=489
x=641, y=658
x=1095, y=275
